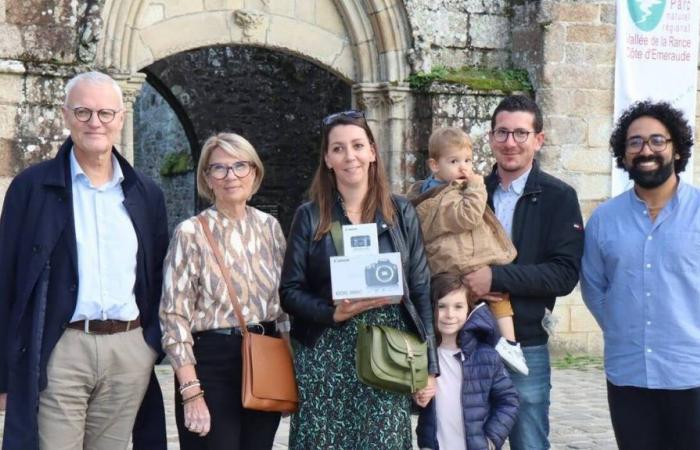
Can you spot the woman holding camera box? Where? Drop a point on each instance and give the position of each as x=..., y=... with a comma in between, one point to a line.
x=350, y=187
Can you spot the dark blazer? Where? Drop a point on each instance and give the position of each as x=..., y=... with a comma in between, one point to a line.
x=39, y=286
x=305, y=287
x=489, y=399
x=548, y=234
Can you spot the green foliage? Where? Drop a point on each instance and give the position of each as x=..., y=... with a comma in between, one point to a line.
x=476, y=78
x=176, y=163
x=421, y=80
x=570, y=361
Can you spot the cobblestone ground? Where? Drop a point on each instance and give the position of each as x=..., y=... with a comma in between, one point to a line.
x=579, y=412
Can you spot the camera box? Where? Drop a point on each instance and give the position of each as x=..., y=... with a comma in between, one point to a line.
x=367, y=276
x=360, y=239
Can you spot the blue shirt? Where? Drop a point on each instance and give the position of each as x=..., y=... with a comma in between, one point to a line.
x=641, y=280
x=504, y=201
x=430, y=183
x=107, y=247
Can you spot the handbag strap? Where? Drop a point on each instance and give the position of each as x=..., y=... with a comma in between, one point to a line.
x=401, y=247
x=337, y=236
x=224, y=273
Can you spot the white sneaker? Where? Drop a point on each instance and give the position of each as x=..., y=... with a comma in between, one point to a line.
x=512, y=356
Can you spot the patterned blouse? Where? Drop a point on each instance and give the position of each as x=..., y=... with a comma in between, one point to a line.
x=194, y=295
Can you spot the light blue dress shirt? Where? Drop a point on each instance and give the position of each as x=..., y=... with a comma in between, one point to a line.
x=107, y=247
x=641, y=280
x=504, y=201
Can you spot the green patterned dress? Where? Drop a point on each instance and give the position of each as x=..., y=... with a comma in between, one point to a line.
x=338, y=411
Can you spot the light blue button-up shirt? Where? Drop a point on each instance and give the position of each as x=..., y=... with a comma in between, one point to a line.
x=641, y=280
x=107, y=247
x=504, y=201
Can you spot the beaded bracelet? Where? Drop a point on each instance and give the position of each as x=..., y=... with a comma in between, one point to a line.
x=188, y=384
x=193, y=398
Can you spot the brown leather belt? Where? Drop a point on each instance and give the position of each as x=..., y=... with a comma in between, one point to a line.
x=105, y=326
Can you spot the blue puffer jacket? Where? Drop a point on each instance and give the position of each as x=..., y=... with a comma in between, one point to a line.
x=489, y=399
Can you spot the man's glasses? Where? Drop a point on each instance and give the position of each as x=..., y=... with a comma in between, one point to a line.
x=657, y=143
x=85, y=114
x=519, y=135
x=350, y=114
x=241, y=169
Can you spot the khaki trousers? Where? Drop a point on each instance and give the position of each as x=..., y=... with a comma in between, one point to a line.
x=95, y=386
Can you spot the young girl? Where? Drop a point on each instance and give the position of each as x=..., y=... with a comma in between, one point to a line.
x=475, y=403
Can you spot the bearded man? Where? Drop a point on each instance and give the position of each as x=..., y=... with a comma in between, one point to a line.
x=640, y=278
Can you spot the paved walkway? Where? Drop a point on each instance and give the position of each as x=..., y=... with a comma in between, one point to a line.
x=579, y=412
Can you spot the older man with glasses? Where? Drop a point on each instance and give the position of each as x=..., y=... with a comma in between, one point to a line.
x=82, y=242
x=640, y=278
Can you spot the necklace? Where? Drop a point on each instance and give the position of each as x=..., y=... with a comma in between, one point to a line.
x=348, y=211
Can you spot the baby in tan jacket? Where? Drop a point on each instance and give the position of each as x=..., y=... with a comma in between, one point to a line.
x=461, y=233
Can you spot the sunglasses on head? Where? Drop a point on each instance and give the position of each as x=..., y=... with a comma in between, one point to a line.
x=350, y=114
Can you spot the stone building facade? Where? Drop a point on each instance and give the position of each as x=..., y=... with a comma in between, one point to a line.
x=373, y=46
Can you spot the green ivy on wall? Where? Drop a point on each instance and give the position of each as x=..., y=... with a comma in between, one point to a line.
x=476, y=78
x=176, y=163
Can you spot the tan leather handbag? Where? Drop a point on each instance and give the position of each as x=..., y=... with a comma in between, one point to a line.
x=268, y=370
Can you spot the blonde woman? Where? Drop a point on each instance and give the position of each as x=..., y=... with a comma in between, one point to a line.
x=201, y=334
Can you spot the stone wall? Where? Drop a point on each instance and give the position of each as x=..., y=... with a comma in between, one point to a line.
x=36, y=36
x=457, y=33
x=576, y=93
x=158, y=134
x=448, y=105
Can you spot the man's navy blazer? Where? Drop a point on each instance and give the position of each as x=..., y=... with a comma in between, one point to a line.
x=39, y=286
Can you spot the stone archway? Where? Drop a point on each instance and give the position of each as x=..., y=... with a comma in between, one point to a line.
x=365, y=42
x=273, y=99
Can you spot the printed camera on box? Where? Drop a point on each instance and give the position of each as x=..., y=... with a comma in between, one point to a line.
x=367, y=276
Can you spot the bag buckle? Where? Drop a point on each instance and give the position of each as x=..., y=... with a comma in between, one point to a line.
x=409, y=350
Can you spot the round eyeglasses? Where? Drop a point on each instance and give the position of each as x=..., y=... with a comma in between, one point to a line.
x=657, y=143
x=85, y=114
x=240, y=169
x=519, y=135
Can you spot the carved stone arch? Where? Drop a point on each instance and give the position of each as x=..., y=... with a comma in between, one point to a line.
x=367, y=45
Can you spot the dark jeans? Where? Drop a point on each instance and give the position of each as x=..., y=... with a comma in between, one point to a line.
x=655, y=419
x=232, y=427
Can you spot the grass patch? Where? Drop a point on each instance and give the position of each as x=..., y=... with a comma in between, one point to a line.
x=570, y=361
x=479, y=79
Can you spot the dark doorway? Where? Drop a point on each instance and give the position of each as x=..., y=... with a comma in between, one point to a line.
x=273, y=99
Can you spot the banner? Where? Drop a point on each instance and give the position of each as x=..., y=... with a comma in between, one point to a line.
x=657, y=59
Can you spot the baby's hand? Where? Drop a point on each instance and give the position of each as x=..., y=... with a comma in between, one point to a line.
x=474, y=177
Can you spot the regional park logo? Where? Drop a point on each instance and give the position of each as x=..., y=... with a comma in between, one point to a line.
x=646, y=14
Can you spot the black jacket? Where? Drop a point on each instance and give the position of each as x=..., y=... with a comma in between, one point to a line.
x=548, y=234
x=305, y=287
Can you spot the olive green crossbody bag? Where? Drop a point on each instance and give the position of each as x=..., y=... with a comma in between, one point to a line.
x=387, y=358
